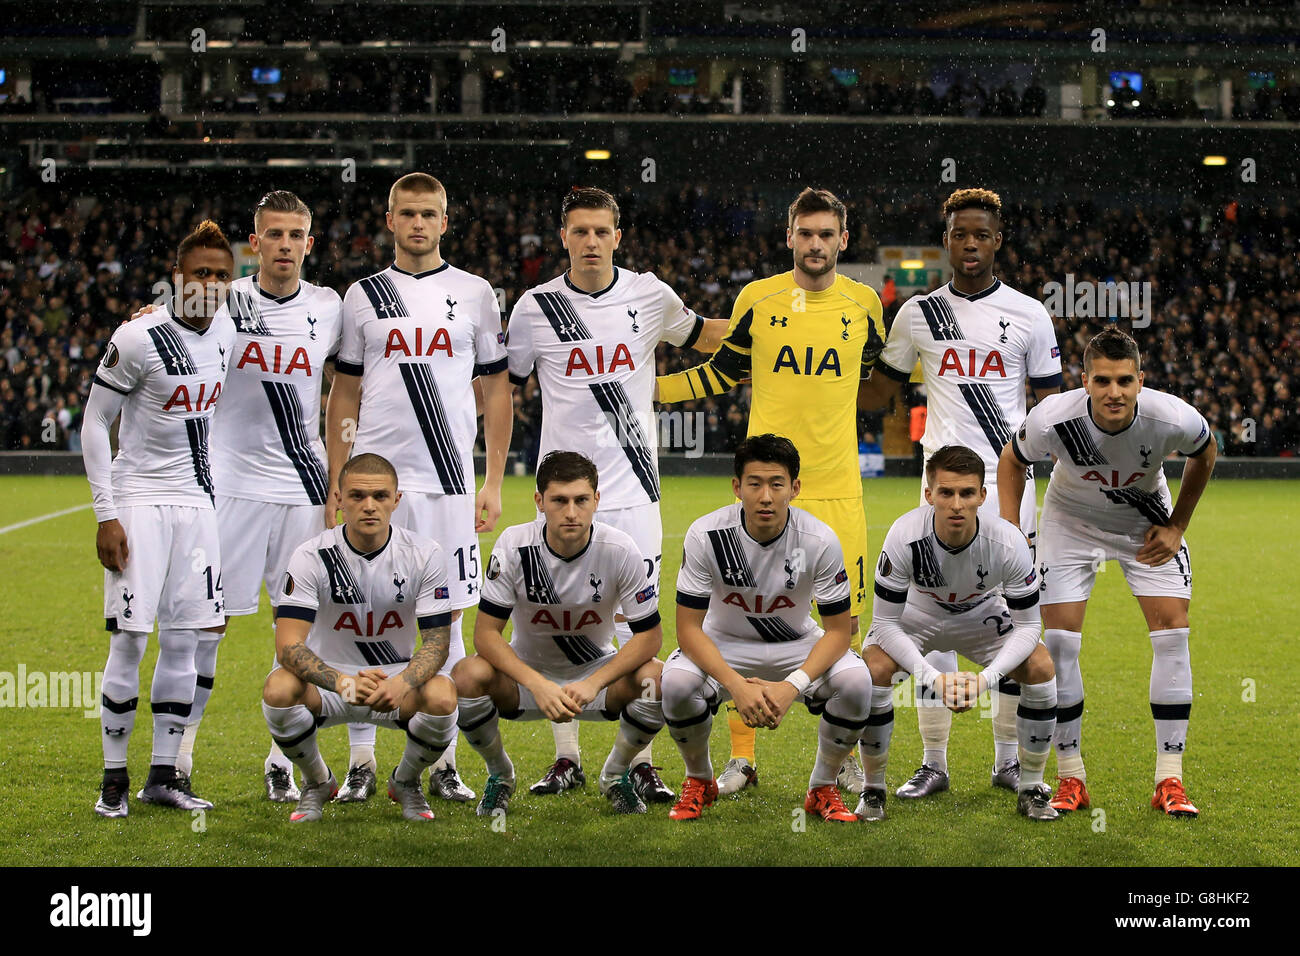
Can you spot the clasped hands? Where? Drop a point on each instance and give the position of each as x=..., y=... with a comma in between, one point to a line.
x=763, y=703
x=959, y=691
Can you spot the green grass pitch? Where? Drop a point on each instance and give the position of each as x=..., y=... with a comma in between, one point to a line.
x=1238, y=768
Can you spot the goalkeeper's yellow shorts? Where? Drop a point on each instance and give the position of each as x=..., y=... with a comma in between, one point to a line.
x=848, y=519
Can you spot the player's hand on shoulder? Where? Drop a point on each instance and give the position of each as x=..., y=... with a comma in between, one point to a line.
x=143, y=310
x=110, y=544
x=553, y=702
x=1161, y=544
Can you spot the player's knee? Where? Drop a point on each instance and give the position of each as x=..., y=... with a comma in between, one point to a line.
x=282, y=688
x=1038, y=669
x=438, y=696
x=648, y=680
x=852, y=689
x=677, y=687
x=472, y=675
x=881, y=665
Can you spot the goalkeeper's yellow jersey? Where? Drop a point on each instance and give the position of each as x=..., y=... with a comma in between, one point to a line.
x=806, y=353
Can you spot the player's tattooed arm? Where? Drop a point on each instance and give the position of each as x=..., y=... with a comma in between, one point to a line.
x=302, y=661
x=435, y=644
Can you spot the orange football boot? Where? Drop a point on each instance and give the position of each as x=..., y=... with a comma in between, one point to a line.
x=1172, y=798
x=1070, y=794
x=697, y=793
x=827, y=803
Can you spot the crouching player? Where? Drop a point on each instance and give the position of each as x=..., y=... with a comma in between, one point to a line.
x=353, y=599
x=562, y=581
x=749, y=575
x=948, y=580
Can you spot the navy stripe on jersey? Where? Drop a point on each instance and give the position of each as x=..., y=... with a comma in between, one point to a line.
x=622, y=418
x=1149, y=504
x=565, y=321
x=248, y=317
x=986, y=411
x=175, y=356
x=1078, y=442
x=343, y=586
x=196, y=430
x=122, y=391
x=538, y=585
x=774, y=630
x=925, y=567
x=383, y=296
x=287, y=411
x=578, y=649
x=379, y=652
x=943, y=324
x=960, y=607
x=731, y=559
x=433, y=423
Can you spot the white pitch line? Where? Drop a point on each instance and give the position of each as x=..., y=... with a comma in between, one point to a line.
x=38, y=520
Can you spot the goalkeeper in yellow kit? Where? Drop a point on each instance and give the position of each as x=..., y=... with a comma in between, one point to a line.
x=806, y=338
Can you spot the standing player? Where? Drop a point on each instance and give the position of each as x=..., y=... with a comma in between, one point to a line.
x=948, y=580
x=807, y=337
x=352, y=602
x=750, y=573
x=157, y=535
x=591, y=335
x=978, y=342
x=268, y=462
x=1108, y=495
x=561, y=580
x=414, y=338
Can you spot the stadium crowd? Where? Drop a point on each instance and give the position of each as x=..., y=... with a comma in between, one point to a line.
x=1224, y=332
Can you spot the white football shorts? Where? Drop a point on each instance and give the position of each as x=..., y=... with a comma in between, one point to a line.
x=173, y=571
x=1071, y=552
x=257, y=540
x=449, y=520
x=765, y=661
x=977, y=635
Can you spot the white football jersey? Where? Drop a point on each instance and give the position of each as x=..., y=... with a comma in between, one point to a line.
x=916, y=566
x=1114, y=481
x=595, y=360
x=761, y=592
x=563, y=608
x=366, y=609
x=418, y=341
x=266, y=443
x=172, y=377
x=976, y=351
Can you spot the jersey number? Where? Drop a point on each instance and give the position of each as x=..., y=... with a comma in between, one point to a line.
x=1003, y=623
x=212, y=588
x=473, y=561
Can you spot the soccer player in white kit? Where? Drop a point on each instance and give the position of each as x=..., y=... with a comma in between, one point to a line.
x=268, y=461
x=591, y=334
x=352, y=602
x=750, y=573
x=415, y=336
x=561, y=581
x=978, y=342
x=952, y=578
x=157, y=536
x=1108, y=499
